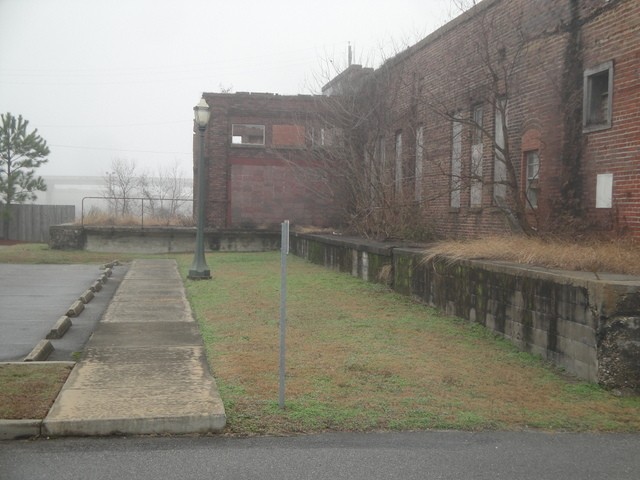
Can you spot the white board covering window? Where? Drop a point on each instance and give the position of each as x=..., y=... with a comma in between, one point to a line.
x=604, y=190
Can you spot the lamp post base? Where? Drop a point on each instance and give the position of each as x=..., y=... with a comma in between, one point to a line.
x=199, y=274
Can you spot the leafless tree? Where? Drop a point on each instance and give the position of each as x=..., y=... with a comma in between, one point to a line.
x=489, y=77
x=347, y=141
x=352, y=140
x=121, y=184
x=165, y=192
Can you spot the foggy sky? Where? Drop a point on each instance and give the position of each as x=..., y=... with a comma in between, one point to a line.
x=105, y=79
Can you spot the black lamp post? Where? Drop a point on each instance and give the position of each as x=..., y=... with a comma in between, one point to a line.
x=199, y=268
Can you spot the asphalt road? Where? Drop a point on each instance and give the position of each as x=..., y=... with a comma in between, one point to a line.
x=407, y=456
x=33, y=297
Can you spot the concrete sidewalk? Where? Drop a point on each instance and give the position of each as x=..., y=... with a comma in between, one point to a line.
x=144, y=369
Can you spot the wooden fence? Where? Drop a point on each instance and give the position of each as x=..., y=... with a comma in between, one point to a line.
x=30, y=223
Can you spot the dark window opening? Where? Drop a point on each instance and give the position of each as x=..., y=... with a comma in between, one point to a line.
x=533, y=170
x=242, y=134
x=598, y=84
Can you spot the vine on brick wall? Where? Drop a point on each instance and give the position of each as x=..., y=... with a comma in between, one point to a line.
x=569, y=205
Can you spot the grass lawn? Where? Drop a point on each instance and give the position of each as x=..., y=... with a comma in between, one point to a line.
x=27, y=391
x=362, y=358
x=359, y=357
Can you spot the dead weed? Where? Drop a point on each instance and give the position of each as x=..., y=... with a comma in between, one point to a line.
x=613, y=256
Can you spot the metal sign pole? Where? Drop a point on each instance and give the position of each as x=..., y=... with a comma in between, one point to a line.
x=284, y=251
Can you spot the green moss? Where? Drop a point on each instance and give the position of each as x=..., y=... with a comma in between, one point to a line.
x=316, y=252
x=403, y=272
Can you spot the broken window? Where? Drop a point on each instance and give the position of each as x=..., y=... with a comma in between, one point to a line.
x=500, y=162
x=598, y=86
x=533, y=169
x=476, y=158
x=242, y=134
x=379, y=165
x=326, y=137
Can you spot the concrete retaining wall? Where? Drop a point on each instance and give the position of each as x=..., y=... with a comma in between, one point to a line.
x=371, y=261
x=586, y=323
x=158, y=239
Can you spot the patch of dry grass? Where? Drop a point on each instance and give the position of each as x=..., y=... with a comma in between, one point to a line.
x=27, y=391
x=101, y=218
x=362, y=358
x=614, y=256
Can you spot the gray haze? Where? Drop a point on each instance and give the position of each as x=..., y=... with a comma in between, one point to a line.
x=118, y=79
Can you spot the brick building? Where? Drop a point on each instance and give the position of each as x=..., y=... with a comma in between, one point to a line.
x=561, y=76
x=518, y=112
x=259, y=160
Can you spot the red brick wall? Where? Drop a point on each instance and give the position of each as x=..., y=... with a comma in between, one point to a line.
x=446, y=72
x=615, y=35
x=288, y=135
x=253, y=186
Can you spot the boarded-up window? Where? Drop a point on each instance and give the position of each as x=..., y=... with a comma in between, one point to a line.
x=456, y=161
x=419, y=155
x=399, y=173
x=288, y=136
x=242, y=134
x=604, y=190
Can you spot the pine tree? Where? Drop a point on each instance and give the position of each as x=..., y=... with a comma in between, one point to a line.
x=21, y=153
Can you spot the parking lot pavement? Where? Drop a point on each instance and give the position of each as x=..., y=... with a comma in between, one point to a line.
x=34, y=297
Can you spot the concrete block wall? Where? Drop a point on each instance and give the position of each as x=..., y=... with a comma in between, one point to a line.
x=541, y=313
x=159, y=239
x=368, y=260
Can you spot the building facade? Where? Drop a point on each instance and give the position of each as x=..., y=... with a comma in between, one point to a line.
x=517, y=115
x=259, y=162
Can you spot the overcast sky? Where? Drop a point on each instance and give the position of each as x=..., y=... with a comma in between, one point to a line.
x=105, y=79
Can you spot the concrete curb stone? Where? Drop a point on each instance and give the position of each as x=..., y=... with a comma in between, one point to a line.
x=40, y=352
x=75, y=309
x=60, y=328
x=19, y=429
x=87, y=296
